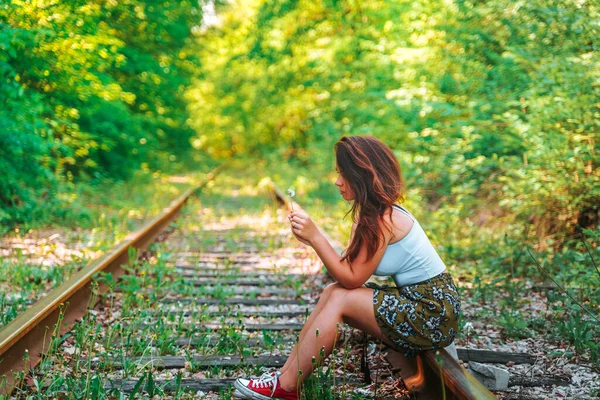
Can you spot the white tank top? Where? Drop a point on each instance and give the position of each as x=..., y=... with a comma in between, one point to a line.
x=412, y=259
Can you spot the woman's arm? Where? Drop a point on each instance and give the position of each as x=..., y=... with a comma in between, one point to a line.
x=349, y=275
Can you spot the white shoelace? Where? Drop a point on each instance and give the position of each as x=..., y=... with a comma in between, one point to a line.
x=267, y=375
x=266, y=380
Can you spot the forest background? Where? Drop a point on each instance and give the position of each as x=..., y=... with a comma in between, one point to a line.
x=492, y=107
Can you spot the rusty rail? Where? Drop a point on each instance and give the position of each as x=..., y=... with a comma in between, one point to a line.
x=441, y=367
x=436, y=369
x=23, y=340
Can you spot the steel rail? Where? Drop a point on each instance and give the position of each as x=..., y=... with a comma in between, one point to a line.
x=437, y=369
x=24, y=340
x=442, y=369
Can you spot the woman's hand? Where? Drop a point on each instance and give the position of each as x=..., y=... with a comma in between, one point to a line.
x=303, y=227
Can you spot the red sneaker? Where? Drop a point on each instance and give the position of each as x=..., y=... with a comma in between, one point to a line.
x=265, y=387
x=240, y=395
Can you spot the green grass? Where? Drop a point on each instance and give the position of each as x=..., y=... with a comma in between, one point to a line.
x=94, y=219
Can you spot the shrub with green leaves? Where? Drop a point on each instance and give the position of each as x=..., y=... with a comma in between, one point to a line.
x=89, y=90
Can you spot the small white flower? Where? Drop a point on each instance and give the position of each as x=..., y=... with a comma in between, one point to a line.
x=291, y=192
x=469, y=326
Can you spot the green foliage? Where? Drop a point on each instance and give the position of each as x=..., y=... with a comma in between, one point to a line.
x=486, y=103
x=22, y=149
x=532, y=106
x=89, y=90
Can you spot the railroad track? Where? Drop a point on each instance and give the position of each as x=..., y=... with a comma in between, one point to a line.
x=225, y=294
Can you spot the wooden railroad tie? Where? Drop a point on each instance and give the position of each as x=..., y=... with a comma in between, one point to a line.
x=193, y=279
x=196, y=341
x=234, y=291
x=235, y=274
x=228, y=313
x=197, y=361
x=217, y=327
x=242, y=301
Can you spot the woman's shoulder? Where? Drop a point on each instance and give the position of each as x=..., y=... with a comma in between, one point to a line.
x=401, y=224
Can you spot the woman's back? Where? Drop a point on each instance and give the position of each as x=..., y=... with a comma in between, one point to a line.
x=412, y=259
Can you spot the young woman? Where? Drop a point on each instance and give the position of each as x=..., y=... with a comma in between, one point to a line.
x=419, y=313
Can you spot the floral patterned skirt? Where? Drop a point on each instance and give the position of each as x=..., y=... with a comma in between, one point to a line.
x=418, y=317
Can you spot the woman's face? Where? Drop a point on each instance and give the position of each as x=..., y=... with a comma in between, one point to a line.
x=343, y=186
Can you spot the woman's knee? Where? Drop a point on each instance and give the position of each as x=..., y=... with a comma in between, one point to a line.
x=332, y=295
x=330, y=289
x=337, y=297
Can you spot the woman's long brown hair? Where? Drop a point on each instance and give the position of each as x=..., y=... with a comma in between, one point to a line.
x=373, y=173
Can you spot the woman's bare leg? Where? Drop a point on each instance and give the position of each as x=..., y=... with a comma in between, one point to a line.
x=318, y=308
x=354, y=307
x=337, y=305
